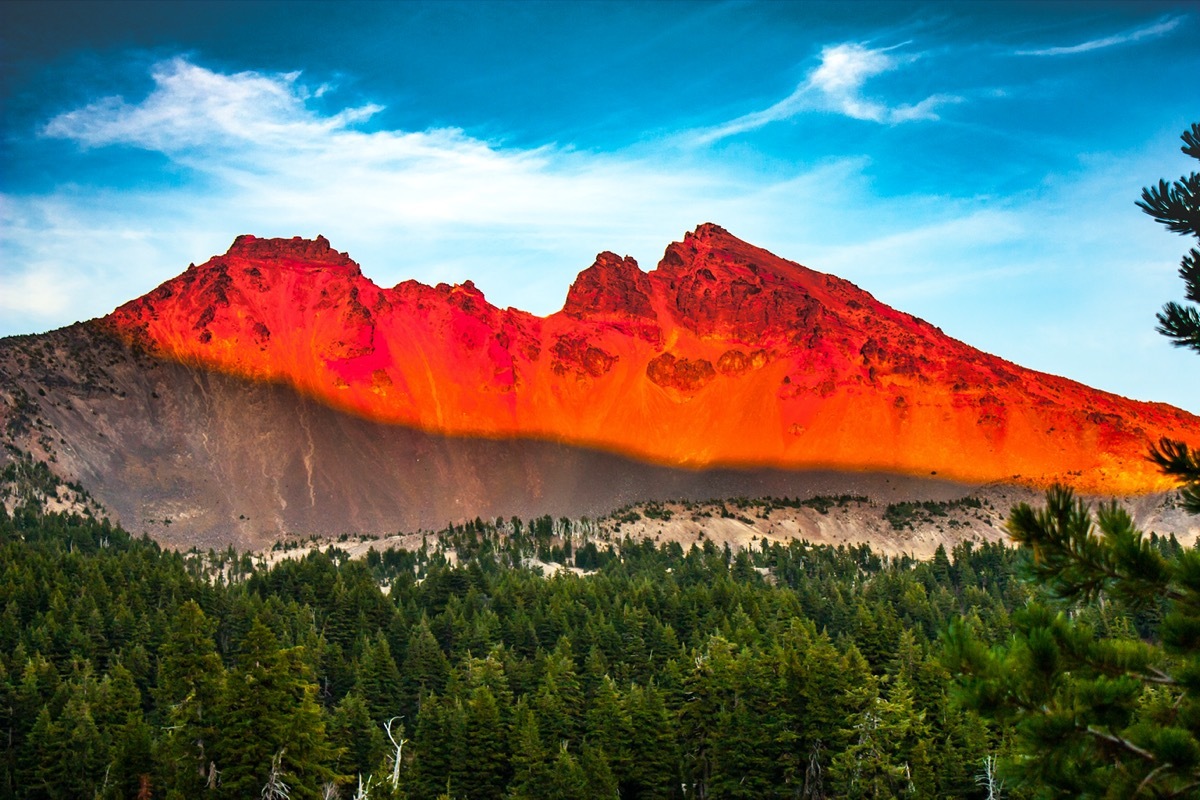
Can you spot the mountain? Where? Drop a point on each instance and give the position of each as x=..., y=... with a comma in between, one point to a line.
x=275, y=388
x=725, y=355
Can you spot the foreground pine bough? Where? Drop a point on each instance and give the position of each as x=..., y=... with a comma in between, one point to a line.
x=1098, y=707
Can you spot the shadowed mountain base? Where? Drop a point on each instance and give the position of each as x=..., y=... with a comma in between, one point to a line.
x=196, y=457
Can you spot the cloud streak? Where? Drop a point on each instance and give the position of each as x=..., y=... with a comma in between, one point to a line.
x=256, y=135
x=192, y=107
x=1160, y=28
x=836, y=86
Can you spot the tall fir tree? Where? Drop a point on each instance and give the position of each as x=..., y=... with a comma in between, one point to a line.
x=356, y=736
x=379, y=683
x=191, y=680
x=425, y=668
x=271, y=723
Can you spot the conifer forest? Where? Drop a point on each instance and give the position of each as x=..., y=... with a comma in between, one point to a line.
x=458, y=671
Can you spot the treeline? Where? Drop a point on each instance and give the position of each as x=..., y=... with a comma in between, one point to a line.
x=777, y=671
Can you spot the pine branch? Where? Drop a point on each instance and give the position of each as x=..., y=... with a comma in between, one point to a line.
x=1191, y=141
x=1149, y=779
x=1124, y=744
x=1076, y=564
x=1177, y=460
x=1176, y=205
x=1157, y=676
x=1189, y=270
x=1185, y=791
x=1181, y=324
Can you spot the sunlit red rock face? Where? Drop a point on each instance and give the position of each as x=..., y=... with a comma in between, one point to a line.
x=724, y=355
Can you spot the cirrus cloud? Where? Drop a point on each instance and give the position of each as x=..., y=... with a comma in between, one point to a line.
x=1160, y=28
x=836, y=86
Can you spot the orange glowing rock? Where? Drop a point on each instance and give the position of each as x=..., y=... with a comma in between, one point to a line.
x=725, y=355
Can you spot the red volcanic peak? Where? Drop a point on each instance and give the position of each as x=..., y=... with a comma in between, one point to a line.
x=725, y=354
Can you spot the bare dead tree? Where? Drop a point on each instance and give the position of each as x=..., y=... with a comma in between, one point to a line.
x=814, y=778
x=987, y=779
x=399, y=745
x=275, y=788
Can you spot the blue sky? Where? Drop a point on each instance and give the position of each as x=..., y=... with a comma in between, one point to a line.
x=975, y=164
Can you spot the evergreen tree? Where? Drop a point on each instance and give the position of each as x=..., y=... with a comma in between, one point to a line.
x=425, y=668
x=1177, y=206
x=359, y=739
x=600, y=783
x=190, y=682
x=1097, y=710
x=271, y=723
x=132, y=758
x=379, y=683
x=609, y=726
x=438, y=747
x=651, y=767
x=38, y=771
x=1095, y=717
x=559, y=700
x=486, y=747
x=529, y=756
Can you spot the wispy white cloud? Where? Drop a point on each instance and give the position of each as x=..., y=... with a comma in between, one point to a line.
x=255, y=134
x=194, y=107
x=836, y=85
x=1160, y=28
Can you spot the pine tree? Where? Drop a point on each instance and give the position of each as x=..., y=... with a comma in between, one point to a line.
x=1177, y=206
x=528, y=755
x=133, y=759
x=652, y=764
x=486, y=747
x=1094, y=716
x=190, y=681
x=37, y=769
x=600, y=783
x=559, y=701
x=379, y=683
x=887, y=756
x=1101, y=712
x=425, y=668
x=271, y=722
x=361, y=740
x=609, y=726
x=438, y=746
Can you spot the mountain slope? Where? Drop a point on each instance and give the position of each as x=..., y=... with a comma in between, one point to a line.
x=723, y=356
x=199, y=457
x=275, y=391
